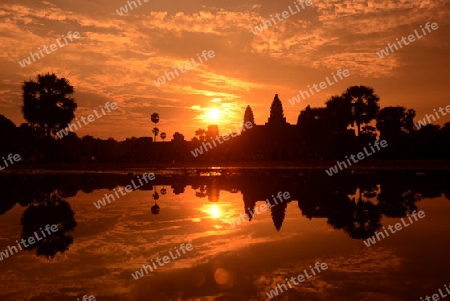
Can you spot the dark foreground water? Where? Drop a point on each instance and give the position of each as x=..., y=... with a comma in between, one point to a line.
x=95, y=251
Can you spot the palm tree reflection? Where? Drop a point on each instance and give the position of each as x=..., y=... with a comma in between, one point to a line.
x=352, y=203
x=163, y=190
x=155, y=208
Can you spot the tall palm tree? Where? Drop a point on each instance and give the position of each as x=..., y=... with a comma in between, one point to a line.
x=155, y=119
x=155, y=132
x=155, y=208
x=163, y=136
x=364, y=104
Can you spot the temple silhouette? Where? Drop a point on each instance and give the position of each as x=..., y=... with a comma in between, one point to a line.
x=321, y=133
x=353, y=203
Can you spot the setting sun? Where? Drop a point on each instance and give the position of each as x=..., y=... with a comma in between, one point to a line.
x=215, y=212
x=213, y=115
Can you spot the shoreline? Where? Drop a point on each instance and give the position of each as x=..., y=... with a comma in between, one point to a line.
x=374, y=165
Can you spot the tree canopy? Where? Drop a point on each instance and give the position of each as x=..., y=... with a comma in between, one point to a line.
x=47, y=104
x=364, y=104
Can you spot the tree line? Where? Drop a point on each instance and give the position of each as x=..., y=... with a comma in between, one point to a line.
x=320, y=133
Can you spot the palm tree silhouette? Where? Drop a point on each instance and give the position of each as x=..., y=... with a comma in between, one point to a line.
x=364, y=104
x=155, y=208
x=155, y=132
x=163, y=136
x=155, y=119
x=163, y=190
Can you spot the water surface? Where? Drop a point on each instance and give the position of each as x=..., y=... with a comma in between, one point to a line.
x=326, y=219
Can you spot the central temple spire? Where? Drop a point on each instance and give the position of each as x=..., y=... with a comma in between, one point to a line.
x=276, y=113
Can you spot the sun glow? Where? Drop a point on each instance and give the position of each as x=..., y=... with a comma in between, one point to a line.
x=213, y=115
x=215, y=212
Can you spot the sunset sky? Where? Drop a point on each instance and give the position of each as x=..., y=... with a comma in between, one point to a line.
x=118, y=58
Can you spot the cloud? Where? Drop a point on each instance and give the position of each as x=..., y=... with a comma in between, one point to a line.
x=118, y=58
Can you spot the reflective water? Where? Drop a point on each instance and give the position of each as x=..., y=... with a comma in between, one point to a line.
x=325, y=219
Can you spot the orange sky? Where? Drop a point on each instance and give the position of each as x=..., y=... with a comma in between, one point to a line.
x=117, y=58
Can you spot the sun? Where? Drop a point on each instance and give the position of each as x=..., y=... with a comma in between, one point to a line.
x=213, y=114
x=215, y=212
